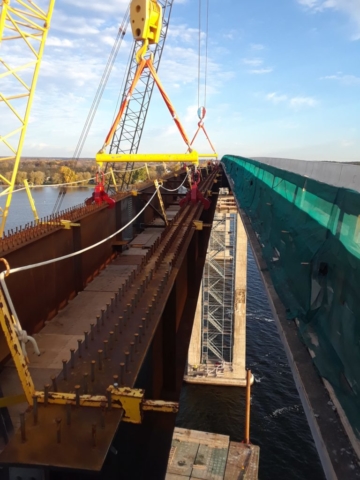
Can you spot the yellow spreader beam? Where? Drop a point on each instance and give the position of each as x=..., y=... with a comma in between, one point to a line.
x=192, y=157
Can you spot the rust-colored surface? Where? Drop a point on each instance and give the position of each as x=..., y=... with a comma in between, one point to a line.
x=149, y=319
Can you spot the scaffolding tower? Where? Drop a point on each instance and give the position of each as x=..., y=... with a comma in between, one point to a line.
x=218, y=287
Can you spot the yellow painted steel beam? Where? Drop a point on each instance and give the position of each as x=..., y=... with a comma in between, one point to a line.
x=157, y=186
x=31, y=23
x=160, y=406
x=113, y=179
x=131, y=400
x=208, y=155
x=192, y=157
x=31, y=200
x=8, y=325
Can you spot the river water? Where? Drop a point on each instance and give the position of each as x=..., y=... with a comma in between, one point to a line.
x=278, y=422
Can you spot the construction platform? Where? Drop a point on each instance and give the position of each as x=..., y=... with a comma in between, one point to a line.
x=210, y=456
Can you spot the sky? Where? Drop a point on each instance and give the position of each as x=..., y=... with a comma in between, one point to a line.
x=283, y=79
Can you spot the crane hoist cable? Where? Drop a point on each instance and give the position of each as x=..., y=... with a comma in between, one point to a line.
x=99, y=93
x=201, y=112
x=206, y=50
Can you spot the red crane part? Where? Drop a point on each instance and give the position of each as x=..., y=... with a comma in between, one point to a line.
x=99, y=195
x=194, y=195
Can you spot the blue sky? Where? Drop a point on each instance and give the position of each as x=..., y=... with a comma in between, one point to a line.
x=283, y=78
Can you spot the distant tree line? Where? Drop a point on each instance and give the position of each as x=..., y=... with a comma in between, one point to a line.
x=40, y=171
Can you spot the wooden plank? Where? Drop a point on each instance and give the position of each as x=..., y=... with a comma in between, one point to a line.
x=242, y=460
x=182, y=457
x=210, y=463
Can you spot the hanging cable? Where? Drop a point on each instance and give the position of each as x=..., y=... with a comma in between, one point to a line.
x=174, y=189
x=79, y=252
x=206, y=50
x=199, y=54
x=103, y=82
x=98, y=95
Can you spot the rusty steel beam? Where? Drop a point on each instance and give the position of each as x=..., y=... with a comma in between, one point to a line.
x=150, y=306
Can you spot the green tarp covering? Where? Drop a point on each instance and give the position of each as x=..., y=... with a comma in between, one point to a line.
x=310, y=234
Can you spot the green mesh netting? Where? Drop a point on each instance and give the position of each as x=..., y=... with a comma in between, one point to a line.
x=310, y=235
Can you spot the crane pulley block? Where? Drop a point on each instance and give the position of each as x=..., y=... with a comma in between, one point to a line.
x=146, y=20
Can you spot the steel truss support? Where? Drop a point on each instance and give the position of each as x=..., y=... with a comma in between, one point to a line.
x=20, y=21
x=128, y=134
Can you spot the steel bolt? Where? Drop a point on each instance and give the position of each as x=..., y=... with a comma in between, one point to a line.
x=93, y=370
x=79, y=347
x=105, y=348
x=136, y=342
x=46, y=394
x=72, y=357
x=100, y=359
x=58, y=430
x=86, y=377
x=86, y=340
x=103, y=314
x=111, y=340
x=54, y=384
x=64, y=369
x=116, y=330
x=108, y=395
x=132, y=344
x=127, y=355
x=35, y=409
x=102, y=418
x=68, y=413
x=77, y=395
x=92, y=331
x=98, y=323
x=122, y=367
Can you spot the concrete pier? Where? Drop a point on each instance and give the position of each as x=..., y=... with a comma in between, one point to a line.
x=217, y=350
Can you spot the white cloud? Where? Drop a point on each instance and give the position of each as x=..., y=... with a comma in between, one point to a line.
x=101, y=8
x=344, y=79
x=59, y=42
x=182, y=33
x=254, y=62
x=351, y=8
x=256, y=46
x=293, y=102
x=261, y=71
x=297, y=102
x=231, y=35
x=275, y=98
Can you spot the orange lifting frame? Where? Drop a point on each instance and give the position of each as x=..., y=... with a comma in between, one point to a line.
x=201, y=126
x=144, y=63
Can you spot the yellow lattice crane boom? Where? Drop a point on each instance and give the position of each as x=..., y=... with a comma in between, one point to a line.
x=21, y=21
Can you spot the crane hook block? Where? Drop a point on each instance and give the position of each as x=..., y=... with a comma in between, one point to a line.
x=146, y=20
